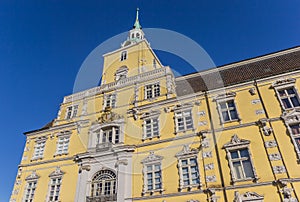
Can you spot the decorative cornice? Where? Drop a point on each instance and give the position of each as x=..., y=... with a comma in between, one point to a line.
x=152, y=158
x=247, y=196
x=186, y=150
x=281, y=82
x=32, y=176
x=225, y=96
x=236, y=141
x=57, y=173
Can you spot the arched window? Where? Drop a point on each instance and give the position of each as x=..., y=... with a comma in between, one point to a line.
x=104, y=185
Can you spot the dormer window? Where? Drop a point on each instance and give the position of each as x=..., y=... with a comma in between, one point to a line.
x=123, y=55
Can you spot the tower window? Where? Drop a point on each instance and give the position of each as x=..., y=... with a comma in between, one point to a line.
x=152, y=90
x=71, y=111
x=123, y=55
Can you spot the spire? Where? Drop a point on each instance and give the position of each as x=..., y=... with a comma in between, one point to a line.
x=137, y=23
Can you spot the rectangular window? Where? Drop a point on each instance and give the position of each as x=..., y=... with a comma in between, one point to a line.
x=189, y=171
x=184, y=120
x=110, y=101
x=228, y=110
x=153, y=177
x=39, y=150
x=289, y=98
x=241, y=164
x=54, y=191
x=152, y=90
x=123, y=55
x=110, y=134
x=151, y=128
x=63, y=145
x=296, y=135
x=71, y=111
x=30, y=190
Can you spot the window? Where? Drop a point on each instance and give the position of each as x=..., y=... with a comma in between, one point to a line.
x=62, y=145
x=123, y=55
x=183, y=120
x=71, y=111
x=39, y=148
x=296, y=135
x=152, y=174
x=228, y=110
x=109, y=134
x=242, y=167
x=110, y=100
x=55, y=185
x=104, y=184
x=188, y=168
x=289, y=98
x=151, y=128
x=152, y=91
x=30, y=187
x=121, y=73
x=239, y=158
x=30, y=190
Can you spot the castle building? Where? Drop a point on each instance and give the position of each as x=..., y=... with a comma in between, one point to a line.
x=230, y=133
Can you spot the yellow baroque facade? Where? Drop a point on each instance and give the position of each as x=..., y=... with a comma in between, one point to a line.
x=226, y=134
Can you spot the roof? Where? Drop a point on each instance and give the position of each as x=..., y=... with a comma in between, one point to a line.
x=240, y=72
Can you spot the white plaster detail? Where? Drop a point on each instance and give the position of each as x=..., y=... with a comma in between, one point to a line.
x=211, y=178
x=275, y=157
x=279, y=169
x=259, y=111
x=207, y=154
x=248, y=196
x=58, y=172
x=209, y=166
x=205, y=143
x=271, y=144
x=252, y=91
x=202, y=123
x=287, y=195
x=32, y=176
x=201, y=113
x=256, y=101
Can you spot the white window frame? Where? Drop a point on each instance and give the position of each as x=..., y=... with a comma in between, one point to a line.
x=110, y=100
x=31, y=179
x=248, y=196
x=225, y=98
x=121, y=73
x=153, y=89
x=39, y=148
x=153, y=131
x=104, y=138
x=123, y=55
x=56, y=181
x=291, y=119
x=111, y=180
x=284, y=84
x=186, y=155
x=237, y=144
x=63, y=143
x=71, y=111
x=180, y=114
x=153, y=161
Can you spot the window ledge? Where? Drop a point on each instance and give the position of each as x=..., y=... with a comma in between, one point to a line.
x=184, y=131
x=189, y=187
x=153, y=191
x=36, y=159
x=231, y=121
x=150, y=138
x=60, y=154
x=254, y=179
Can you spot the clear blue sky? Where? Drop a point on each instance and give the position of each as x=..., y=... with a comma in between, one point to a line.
x=43, y=44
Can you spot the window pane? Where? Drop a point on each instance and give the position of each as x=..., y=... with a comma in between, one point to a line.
x=233, y=114
x=244, y=153
x=184, y=162
x=223, y=105
x=234, y=154
x=225, y=116
x=286, y=103
x=237, y=168
x=290, y=91
x=230, y=103
x=298, y=142
x=248, y=168
x=295, y=101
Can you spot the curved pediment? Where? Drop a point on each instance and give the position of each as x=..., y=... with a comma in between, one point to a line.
x=291, y=116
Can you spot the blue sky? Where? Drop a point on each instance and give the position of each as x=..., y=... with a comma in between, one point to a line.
x=43, y=44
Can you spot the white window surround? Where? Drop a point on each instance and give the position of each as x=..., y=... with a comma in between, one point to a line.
x=109, y=100
x=54, y=187
x=192, y=168
x=152, y=90
x=291, y=119
x=151, y=124
x=237, y=145
x=226, y=98
x=283, y=85
x=97, y=129
x=183, y=118
x=63, y=142
x=104, y=183
x=247, y=196
x=71, y=111
x=154, y=174
x=123, y=55
x=30, y=187
x=39, y=148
